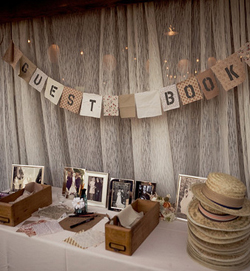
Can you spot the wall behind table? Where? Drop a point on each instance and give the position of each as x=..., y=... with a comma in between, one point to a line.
x=204, y=136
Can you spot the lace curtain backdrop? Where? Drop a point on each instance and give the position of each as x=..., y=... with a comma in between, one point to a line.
x=124, y=50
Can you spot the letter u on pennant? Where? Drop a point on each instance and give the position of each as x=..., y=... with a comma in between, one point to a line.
x=38, y=80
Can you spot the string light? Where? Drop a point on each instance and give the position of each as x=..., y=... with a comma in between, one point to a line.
x=171, y=31
x=29, y=41
x=81, y=53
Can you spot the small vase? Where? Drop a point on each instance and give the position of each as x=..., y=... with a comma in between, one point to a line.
x=80, y=211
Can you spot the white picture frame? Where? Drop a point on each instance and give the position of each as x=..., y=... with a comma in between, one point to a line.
x=96, y=188
x=184, y=194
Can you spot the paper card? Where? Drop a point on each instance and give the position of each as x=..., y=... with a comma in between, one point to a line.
x=71, y=99
x=148, y=104
x=12, y=55
x=38, y=80
x=53, y=91
x=110, y=105
x=208, y=84
x=244, y=53
x=189, y=91
x=127, y=106
x=230, y=72
x=27, y=68
x=91, y=105
x=169, y=98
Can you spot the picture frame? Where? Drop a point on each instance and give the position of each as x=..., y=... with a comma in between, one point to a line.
x=74, y=181
x=143, y=190
x=24, y=174
x=184, y=194
x=121, y=193
x=96, y=188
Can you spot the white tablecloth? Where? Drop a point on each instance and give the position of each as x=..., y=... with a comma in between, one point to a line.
x=164, y=249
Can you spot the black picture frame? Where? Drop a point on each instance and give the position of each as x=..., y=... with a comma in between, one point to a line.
x=121, y=193
x=143, y=190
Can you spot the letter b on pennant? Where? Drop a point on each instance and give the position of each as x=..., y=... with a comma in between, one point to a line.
x=169, y=98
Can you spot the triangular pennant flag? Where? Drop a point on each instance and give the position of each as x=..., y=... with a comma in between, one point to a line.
x=244, y=53
x=91, y=105
x=148, y=104
x=169, y=98
x=27, y=68
x=12, y=55
x=230, y=72
x=110, y=105
x=71, y=99
x=127, y=106
x=189, y=91
x=208, y=84
x=53, y=90
x=38, y=80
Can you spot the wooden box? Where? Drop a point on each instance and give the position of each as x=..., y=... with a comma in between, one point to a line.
x=12, y=214
x=126, y=241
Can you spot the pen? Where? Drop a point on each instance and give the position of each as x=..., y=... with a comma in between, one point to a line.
x=79, y=215
x=82, y=222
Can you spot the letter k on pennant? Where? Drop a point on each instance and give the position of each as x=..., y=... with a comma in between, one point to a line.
x=230, y=72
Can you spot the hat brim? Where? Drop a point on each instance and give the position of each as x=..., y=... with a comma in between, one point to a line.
x=217, y=265
x=227, y=254
x=194, y=215
x=244, y=211
x=218, y=237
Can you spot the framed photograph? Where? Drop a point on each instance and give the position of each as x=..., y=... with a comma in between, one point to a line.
x=143, y=190
x=23, y=174
x=121, y=193
x=184, y=194
x=96, y=188
x=73, y=181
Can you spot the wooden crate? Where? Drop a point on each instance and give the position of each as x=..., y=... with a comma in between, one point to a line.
x=126, y=241
x=12, y=214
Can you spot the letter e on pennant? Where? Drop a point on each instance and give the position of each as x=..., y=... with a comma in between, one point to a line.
x=53, y=90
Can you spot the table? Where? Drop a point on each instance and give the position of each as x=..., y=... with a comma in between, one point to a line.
x=164, y=249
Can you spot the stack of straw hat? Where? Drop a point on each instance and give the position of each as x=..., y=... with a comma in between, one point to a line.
x=219, y=223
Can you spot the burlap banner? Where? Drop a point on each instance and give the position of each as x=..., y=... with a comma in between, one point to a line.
x=229, y=72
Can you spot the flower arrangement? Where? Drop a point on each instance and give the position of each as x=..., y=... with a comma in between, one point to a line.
x=167, y=210
x=78, y=203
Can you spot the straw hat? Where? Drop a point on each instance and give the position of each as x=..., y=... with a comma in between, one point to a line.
x=220, y=248
x=197, y=218
x=218, y=237
x=217, y=264
x=223, y=193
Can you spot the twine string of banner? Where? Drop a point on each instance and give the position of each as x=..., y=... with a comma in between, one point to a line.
x=230, y=72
